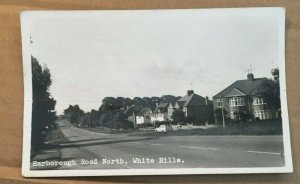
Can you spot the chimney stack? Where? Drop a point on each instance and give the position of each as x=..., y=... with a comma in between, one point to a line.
x=206, y=100
x=250, y=76
x=190, y=92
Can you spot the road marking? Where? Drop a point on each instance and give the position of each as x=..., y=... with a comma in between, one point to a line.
x=194, y=147
x=156, y=144
x=263, y=152
x=51, y=151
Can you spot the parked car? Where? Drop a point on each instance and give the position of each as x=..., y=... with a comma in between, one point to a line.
x=163, y=128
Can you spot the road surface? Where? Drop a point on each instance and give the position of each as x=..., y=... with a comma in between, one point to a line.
x=114, y=151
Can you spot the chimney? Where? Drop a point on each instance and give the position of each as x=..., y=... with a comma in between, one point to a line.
x=250, y=76
x=206, y=100
x=190, y=92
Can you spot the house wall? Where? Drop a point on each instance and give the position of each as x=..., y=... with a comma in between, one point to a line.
x=225, y=107
x=140, y=120
x=264, y=107
x=170, y=112
x=249, y=107
x=200, y=114
x=158, y=117
x=131, y=119
x=225, y=104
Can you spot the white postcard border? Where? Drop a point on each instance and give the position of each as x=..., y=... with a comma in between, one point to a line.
x=25, y=29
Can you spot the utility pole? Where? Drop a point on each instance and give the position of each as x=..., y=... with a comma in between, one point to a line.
x=223, y=117
x=89, y=119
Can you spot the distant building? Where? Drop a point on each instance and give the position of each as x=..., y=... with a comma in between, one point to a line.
x=171, y=109
x=160, y=113
x=143, y=116
x=196, y=108
x=243, y=98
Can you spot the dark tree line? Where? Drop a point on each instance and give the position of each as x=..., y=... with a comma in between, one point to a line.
x=114, y=112
x=111, y=103
x=43, y=104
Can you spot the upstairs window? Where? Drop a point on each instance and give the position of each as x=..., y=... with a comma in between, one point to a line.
x=258, y=101
x=219, y=102
x=236, y=101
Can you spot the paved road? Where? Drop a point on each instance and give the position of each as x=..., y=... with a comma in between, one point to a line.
x=118, y=151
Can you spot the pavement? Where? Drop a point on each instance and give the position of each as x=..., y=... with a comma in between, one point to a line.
x=90, y=150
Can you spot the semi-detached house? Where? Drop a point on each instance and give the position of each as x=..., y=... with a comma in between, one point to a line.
x=243, y=96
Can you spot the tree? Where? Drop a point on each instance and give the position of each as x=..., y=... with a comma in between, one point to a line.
x=43, y=105
x=244, y=115
x=168, y=98
x=109, y=104
x=127, y=102
x=106, y=119
x=219, y=115
x=270, y=90
x=138, y=102
x=73, y=113
x=94, y=118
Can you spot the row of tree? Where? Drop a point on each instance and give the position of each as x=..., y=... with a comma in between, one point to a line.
x=119, y=103
x=43, y=104
x=114, y=112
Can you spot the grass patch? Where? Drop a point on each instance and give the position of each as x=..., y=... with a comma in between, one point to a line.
x=242, y=128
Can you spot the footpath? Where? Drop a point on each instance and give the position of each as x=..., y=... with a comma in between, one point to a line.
x=50, y=151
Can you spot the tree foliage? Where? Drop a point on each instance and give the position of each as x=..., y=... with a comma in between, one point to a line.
x=270, y=90
x=43, y=105
x=114, y=112
x=219, y=115
x=73, y=113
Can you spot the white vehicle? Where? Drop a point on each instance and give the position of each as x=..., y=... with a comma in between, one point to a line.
x=163, y=128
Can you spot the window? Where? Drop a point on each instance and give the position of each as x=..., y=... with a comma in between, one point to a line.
x=185, y=111
x=263, y=114
x=258, y=101
x=219, y=102
x=236, y=101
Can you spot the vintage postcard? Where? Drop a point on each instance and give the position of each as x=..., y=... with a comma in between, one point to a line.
x=155, y=92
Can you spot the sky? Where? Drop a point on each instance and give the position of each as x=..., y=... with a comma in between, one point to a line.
x=151, y=53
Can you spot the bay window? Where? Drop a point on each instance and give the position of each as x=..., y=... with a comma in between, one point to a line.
x=236, y=101
x=263, y=114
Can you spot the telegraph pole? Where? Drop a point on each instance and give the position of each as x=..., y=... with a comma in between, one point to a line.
x=223, y=117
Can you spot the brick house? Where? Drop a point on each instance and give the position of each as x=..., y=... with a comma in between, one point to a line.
x=196, y=108
x=243, y=97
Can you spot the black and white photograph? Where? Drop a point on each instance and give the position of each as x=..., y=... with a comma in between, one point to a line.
x=155, y=92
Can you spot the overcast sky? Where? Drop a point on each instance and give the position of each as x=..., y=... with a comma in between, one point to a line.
x=151, y=53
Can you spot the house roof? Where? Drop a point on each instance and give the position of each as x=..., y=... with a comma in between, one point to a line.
x=163, y=107
x=234, y=92
x=180, y=103
x=171, y=104
x=241, y=88
x=192, y=100
x=143, y=111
